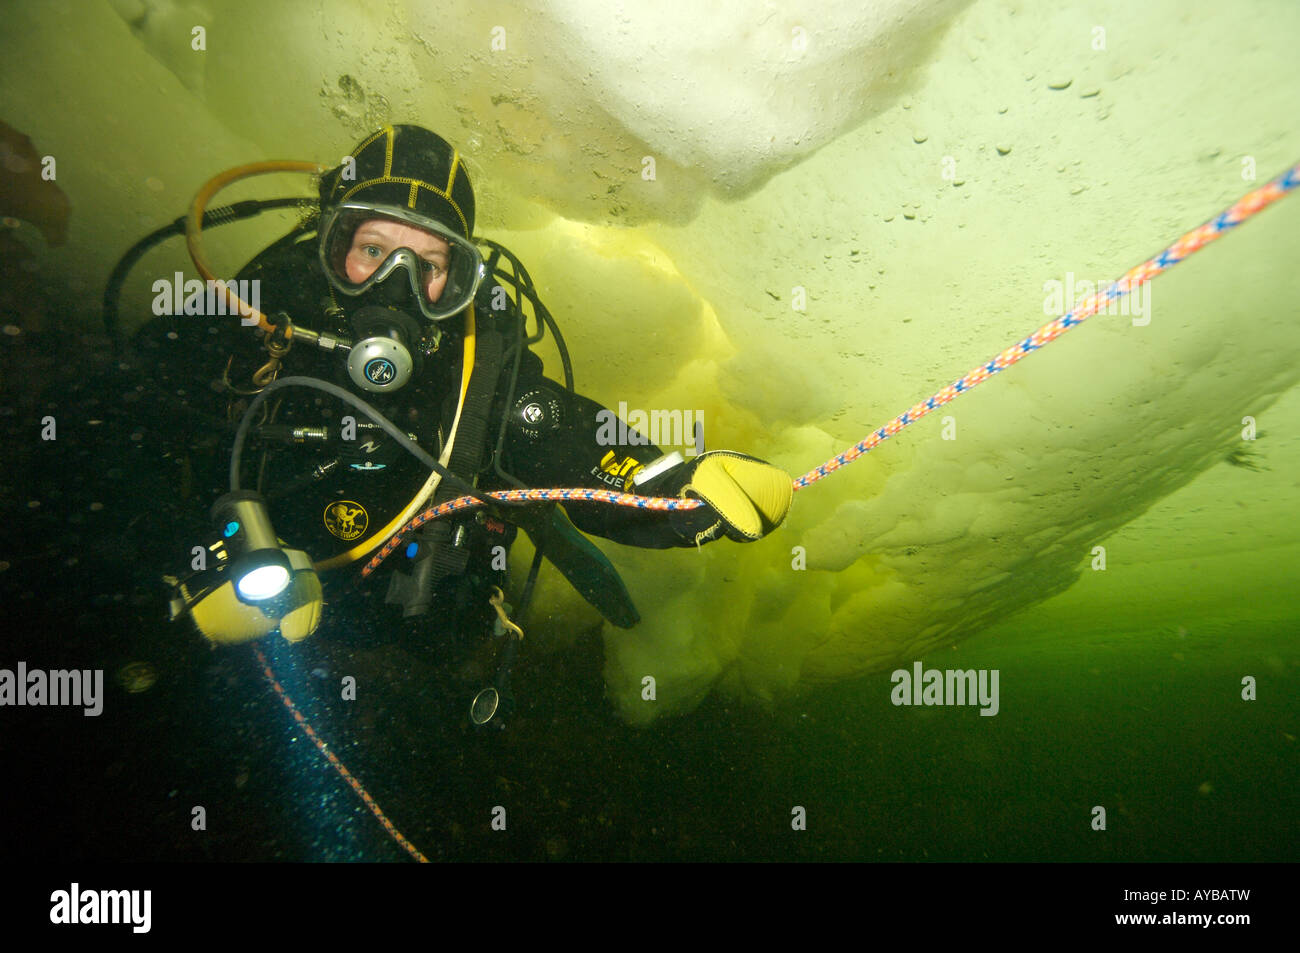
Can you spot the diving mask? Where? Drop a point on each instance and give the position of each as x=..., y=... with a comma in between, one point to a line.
x=442, y=274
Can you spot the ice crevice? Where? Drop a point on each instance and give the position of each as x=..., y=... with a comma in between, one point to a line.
x=786, y=141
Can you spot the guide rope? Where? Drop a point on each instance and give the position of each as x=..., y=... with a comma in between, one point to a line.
x=1248, y=205
x=333, y=759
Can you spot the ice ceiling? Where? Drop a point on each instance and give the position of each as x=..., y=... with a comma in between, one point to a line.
x=918, y=169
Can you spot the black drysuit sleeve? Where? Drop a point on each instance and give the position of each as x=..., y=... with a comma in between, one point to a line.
x=558, y=439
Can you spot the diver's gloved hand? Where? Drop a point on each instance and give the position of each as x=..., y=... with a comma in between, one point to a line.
x=748, y=498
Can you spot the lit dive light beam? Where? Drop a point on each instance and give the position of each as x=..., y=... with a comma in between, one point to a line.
x=329, y=820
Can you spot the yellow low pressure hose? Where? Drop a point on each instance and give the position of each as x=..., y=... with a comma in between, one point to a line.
x=365, y=547
x=194, y=225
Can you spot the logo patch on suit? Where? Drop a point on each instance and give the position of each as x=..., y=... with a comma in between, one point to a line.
x=616, y=472
x=537, y=414
x=346, y=520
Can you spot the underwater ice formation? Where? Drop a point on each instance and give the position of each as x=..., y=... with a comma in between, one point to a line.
x=918, y=170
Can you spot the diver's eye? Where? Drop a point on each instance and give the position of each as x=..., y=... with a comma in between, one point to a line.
x=372, y=251
x=431, y=269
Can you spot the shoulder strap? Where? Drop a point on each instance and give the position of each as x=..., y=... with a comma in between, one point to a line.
x=443, y=543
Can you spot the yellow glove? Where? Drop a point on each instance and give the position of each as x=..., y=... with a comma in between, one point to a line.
x=750, y=497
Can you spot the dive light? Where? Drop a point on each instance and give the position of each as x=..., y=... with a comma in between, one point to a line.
x=259, y=565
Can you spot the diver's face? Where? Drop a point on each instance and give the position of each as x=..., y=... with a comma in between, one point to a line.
x=378, y=238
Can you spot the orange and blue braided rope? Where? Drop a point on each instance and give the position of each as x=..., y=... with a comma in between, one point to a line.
x=1250, y=204
x=1193, y=241
x=333, y=759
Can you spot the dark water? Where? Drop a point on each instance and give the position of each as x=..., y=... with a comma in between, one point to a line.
x=1185, y=770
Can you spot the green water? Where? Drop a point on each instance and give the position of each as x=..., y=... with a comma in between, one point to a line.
x=919, y=197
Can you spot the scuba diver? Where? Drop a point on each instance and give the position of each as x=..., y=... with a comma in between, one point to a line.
x=394, y=374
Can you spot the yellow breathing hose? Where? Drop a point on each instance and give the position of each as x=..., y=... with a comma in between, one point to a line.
x=364, y=548
x=194, y=225
x=194, y=242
